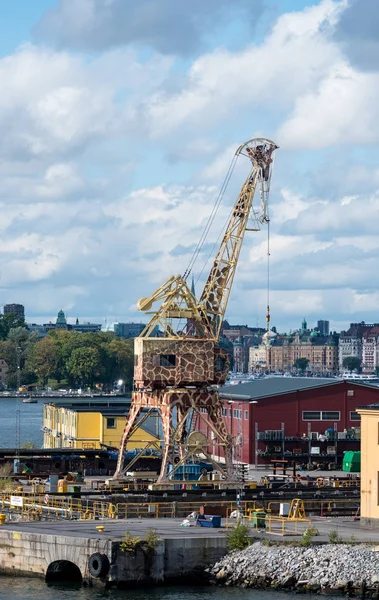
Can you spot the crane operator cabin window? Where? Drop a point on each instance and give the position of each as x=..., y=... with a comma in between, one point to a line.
x=167, y=360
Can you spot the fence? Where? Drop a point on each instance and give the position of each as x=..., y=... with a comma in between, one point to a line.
x=46, y=506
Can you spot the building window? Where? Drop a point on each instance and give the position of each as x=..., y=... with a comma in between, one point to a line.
x=318, y=415
x=331, y=415
x=311, y=415
x=220, y=364
x=354, y=416
x=224, y=412
x=350, y=392
x=246, y=415
x=111, y=423
x=235, y=413
x=167, y=360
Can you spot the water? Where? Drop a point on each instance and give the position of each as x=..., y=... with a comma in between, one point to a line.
x=30, y=423
x=25, y=588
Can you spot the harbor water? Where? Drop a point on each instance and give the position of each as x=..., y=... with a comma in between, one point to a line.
x=24, y=588
x=30, y=423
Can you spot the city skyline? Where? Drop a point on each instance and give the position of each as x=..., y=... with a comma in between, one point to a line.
x=118, y=126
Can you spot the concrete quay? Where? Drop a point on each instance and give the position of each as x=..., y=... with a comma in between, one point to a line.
x=71, y=549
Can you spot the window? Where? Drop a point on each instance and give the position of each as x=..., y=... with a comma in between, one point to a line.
x=224, y=412
x=331, y=415
x=354, y=416
x=350, y=392
x=246, y=415
x=220, y=364
x=318, y=415
x=167, y=360
x=311, y=415
x=235, y=413
x=111, y=423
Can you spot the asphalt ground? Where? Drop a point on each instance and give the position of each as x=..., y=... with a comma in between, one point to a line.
x=348, y=529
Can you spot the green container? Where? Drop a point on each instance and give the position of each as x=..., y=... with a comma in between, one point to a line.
x=259, y=519
x=351, y=462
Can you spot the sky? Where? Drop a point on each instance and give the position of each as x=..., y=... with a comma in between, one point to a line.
x=119, y=120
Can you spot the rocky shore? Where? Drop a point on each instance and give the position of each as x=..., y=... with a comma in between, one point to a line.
x=345, y=568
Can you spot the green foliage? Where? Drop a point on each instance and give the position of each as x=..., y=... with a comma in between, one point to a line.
x=301, y=364
x=151, y=539
x=129, y=543
x=267, y=542
x=307, y=537
x=237, y=538
x=352, y=363
x=352, y=539
x=334, y=537
x=8, y=322
x=85, y=359
x=42, y=359
x=84, y=366
x=28, y=445
x=6, y=482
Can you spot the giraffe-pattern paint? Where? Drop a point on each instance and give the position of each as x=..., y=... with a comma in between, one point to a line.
x=193, y=362
x=184, y=399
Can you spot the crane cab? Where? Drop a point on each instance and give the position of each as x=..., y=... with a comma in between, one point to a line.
x=160, y=363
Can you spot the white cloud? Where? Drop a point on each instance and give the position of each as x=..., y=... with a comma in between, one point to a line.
x=342, y=110
x=295, y=56
x=55, y=104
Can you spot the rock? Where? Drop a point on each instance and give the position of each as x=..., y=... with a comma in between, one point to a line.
x=221, y=574
x=289, y=581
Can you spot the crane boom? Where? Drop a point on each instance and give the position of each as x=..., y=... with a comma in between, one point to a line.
x=217, y=288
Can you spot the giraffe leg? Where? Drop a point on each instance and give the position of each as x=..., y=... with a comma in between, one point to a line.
x=166, y=416
x=132, y=417
x=181, y=432
x=215, y=414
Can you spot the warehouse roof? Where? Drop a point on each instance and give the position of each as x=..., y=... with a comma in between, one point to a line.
x=274, y=386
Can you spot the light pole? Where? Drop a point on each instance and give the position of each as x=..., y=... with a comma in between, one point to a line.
x=18, y=378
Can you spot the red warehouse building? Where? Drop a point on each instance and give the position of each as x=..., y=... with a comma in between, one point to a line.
x=303, y=419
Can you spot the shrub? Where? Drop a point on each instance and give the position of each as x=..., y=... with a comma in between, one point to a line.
x=237, y=538
x=129, y=543
x=307, y=537
x=334, y=538
x=151, y=539
x=6, y=482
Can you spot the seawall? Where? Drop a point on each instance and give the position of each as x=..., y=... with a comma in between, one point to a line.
x=67, y=557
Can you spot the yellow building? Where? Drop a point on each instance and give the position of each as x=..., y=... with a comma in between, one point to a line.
x=369, y=464
x=92, y=425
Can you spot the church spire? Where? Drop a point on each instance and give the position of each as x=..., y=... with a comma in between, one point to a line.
x=193, y=286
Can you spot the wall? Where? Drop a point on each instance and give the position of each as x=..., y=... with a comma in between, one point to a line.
x=32, y=553
x=270, y=412
x=369, y=466
x=112, y=437
x=88, y=430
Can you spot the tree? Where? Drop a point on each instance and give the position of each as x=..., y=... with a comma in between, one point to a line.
x=301, y=364
x=42, y=359
x=10, y=321
x=352, y=363
x=22, y=338
x=84, y=366
x=122, y=354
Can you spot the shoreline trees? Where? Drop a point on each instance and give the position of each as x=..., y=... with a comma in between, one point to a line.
x=71, y=358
